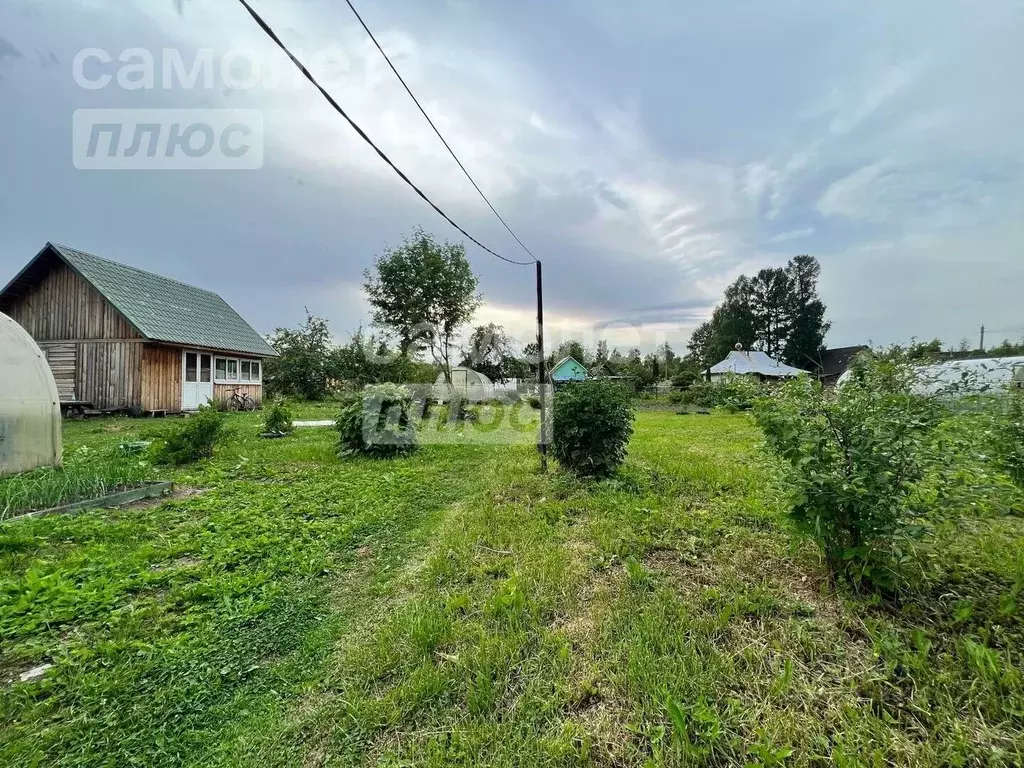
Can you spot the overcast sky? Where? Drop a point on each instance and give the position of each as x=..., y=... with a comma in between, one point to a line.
x=648, y=152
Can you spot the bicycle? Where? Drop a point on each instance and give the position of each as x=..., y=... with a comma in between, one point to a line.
x=241, y=401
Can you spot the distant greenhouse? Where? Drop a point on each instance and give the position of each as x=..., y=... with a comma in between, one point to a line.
x=989, y=374
x=30, y=419
x=466, y=383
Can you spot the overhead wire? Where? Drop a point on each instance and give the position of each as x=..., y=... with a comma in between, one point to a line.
x=436, y=130
x=268, y=30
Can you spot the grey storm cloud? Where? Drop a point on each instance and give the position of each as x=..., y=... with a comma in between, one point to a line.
x=8, y=52
x=649, y=153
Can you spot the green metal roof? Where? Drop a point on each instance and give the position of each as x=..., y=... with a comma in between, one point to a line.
x=166, y=310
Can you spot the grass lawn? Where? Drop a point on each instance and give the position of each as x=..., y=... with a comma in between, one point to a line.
x=457, y=608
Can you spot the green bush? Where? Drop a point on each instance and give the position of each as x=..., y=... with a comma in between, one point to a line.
x=685, y=379
x=193, y=439
x=593, y=422
x=378, y=422
x=277, y=419
x=739, y=393
x=534, y=402
x=854, y=455
x=702, y=394
x=734, y=393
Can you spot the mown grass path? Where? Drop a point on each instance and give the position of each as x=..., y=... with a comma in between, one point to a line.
x=456, y=608
x=169, y=625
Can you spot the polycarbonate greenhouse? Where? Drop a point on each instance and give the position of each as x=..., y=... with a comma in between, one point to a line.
x=989, y=375
x=30, y=418
x=466, y=383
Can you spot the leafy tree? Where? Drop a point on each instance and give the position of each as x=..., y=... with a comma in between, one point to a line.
x=492, y=353
x=424, y=291
x=601, y=356
x=1007, y=349
x=652, y=367
x=306, y=362
x=573, y=349
x=699, y=346
x=368, y=360
x=530, y=360
x=924, y=351
x=668, y=359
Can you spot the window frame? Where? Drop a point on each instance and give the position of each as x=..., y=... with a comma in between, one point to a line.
x=237, y=361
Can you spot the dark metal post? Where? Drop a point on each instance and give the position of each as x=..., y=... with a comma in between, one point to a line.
x=542, y=445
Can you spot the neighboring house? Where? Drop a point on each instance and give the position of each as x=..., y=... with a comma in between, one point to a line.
x=835, y=362
x=124, y=339
x=568, y=369
x=754, y=364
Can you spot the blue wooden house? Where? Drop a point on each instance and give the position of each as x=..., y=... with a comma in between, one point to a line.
x=568, y=369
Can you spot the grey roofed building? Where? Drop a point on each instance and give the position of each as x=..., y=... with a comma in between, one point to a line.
x=119, y=338
x=160, y=309
x=753, y=363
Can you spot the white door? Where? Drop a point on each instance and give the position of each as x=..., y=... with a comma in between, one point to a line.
x=196, y=380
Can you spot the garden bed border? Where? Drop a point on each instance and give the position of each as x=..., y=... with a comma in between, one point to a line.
x=148, y=491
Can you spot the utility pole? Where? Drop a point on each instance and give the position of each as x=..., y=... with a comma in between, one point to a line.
x=542, y=444
x=981, y=345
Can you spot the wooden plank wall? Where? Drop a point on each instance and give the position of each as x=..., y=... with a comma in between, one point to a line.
x=106, y=373
x=100, y=358
x=63, y=360
x=222, y=392
x=64, y=307
x=161, y=378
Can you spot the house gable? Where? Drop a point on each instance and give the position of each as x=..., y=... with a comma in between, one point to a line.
x=156, y=308
x=54, y=303
x=568, y=369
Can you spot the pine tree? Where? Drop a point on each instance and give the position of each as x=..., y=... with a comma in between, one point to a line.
x=807, y=324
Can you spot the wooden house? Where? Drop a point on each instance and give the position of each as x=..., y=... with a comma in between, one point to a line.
x=120, y=338
x=568, y=369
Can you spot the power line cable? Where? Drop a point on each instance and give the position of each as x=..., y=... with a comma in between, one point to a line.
x=337, y=107
x=438, y=132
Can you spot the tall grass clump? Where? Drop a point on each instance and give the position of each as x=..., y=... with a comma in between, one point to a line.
x=1008, y=437
x=193, y=439
x=277, y=418
x=592, y=426
x=378, y=422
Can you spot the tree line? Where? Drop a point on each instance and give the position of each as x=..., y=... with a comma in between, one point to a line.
x=777, y=311
x=423, y=295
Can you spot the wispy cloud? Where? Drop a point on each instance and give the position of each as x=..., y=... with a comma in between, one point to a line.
x=650, y=152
